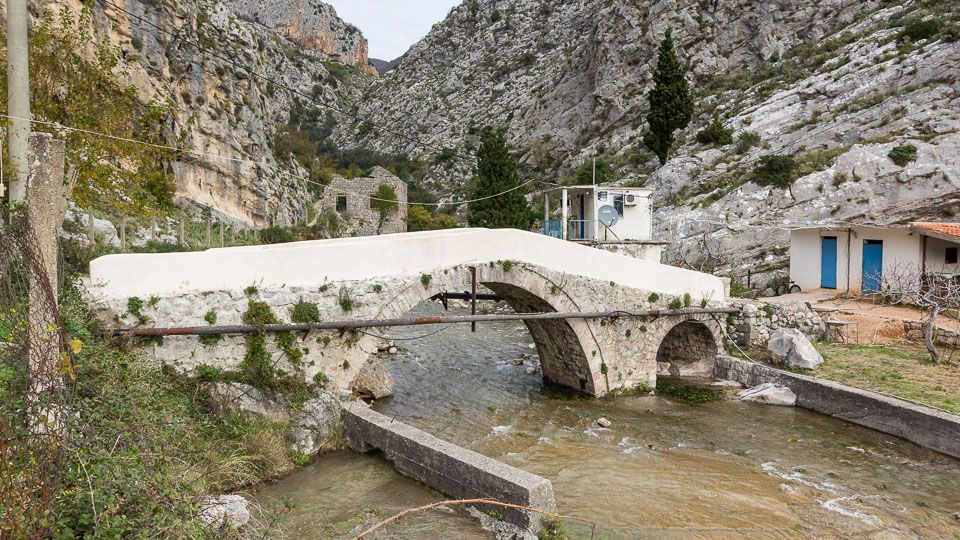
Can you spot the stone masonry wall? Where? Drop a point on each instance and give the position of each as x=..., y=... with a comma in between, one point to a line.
x=595, y=356
x=945, y=338
x=756, y=322
x=361, y=216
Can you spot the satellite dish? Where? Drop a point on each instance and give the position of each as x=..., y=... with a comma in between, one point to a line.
x=608, y=215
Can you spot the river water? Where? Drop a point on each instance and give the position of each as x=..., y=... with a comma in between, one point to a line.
x=664, y=468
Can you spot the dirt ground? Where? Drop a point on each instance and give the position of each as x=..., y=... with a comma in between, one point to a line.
x=874, y=323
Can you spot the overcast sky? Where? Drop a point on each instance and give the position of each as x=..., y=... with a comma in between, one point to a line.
x=392, y=26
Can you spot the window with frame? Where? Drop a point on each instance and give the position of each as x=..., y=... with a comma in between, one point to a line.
x=618, y=203
x=341, y=203
x=950, y=255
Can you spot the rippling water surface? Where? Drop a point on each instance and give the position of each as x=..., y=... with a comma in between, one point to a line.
x=664, y=469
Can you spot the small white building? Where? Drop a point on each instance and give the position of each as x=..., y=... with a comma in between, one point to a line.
x=854, y=259
x=618, y=219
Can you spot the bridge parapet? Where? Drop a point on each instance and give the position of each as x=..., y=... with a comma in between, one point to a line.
x=543, y=275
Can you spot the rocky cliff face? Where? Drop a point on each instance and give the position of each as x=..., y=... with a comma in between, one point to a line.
x=825, y=81
x=310, y=24
x=224, y=78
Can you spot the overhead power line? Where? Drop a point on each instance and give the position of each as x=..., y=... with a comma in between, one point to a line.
x=59, y=126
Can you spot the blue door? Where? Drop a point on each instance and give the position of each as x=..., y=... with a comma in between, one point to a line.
x=828, y=262
x=872, y=265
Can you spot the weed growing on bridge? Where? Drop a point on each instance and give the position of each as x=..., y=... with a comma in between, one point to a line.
x=251, y=290
x=507, y=265
x=687, y=300
x=258, y=367
x=676, y=303
x=211, y=317
x=346, y=303
x=135, y=308
x=377, y=289
x=305, y=312
x=653, y=298
x=425, y=280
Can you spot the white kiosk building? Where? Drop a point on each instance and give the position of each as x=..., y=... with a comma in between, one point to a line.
x=618, y=219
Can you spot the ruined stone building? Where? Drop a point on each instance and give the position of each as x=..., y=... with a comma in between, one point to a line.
x=357, y=204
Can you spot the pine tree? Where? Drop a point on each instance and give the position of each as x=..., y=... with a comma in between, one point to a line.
x=497, y=173
x=671, y=106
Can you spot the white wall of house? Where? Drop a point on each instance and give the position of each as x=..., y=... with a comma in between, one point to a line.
x=637, y=220
x=936, y=256
x=900, y=247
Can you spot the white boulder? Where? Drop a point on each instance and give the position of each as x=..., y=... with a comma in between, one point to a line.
x=792, y=347
x=316, y=422
x=374, y=381
x=770, y=394
x=225, y=511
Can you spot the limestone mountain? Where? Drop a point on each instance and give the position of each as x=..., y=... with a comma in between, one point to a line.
x=834, y=85
x=229, y=84
x=311, y=24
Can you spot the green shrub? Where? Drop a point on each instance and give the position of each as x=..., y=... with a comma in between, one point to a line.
x=747, y=140
x=251, y=290
x=687, y=300
x=135, y=308
x=377, y=289
x=211, y=317
x=277, y=235
x=676, y=303
x=715, y=134
x=774, y=170
x=425, y=280
x=386, y=201
x=918, y=30
x=507, y=265
x=305, y=312
x=653, y=298
x=903, y=154
x=321, y=380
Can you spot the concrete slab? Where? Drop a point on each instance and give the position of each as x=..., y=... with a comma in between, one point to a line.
x=446, y=467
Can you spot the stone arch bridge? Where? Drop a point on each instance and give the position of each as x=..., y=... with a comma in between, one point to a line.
x=384, y=277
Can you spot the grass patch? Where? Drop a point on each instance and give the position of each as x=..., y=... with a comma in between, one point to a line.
x=690, y=393
x=903, y=370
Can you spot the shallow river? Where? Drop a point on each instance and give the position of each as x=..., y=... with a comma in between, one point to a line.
x=664, y=469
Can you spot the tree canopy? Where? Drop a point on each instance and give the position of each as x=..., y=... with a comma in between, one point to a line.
x=496, y=174
x=671, y=106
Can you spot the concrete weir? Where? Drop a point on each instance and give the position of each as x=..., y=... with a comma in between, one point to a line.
x=455, y=471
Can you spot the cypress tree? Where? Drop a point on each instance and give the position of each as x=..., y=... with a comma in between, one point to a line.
x=496, y=173
x=671, y=106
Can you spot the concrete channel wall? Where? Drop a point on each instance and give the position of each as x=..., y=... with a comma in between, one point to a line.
x=448, y=468
x=930, y=428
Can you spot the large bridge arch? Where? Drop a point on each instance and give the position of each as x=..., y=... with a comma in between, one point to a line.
x=568, y=349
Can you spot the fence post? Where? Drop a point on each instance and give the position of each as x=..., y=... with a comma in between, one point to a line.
x=209, y=234
x=123, y=236
x=91, y=228
x=221, y=234
x=181, y=232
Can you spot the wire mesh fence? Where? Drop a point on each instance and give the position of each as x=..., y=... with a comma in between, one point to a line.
x=36, y=368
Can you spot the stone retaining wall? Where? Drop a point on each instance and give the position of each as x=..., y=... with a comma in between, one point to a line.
x=756, y=322
x=927, y=427
x=946, y=338
x=455, y=471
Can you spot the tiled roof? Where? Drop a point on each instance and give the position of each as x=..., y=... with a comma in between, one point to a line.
x=941, y=229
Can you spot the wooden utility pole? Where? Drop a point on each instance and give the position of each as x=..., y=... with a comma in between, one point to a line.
x=18, y=98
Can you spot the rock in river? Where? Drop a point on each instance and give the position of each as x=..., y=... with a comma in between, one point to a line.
x=374, y=381
x=769, y=393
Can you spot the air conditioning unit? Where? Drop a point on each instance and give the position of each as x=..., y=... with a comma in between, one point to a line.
x=630, y=200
